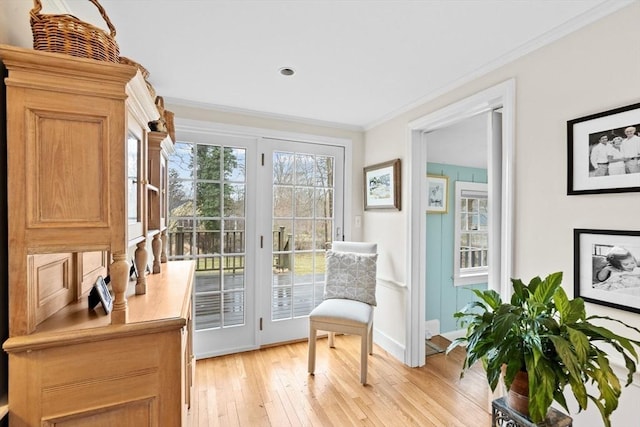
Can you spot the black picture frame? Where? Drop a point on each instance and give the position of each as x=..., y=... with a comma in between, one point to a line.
x=583, y=135
x=382, y=186
x=133, y=270
x=100, y=295
x=597, y=276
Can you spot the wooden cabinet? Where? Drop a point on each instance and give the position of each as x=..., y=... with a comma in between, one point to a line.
x=78, y=370
x=86, y=191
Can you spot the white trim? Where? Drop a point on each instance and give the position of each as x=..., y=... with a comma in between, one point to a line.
x=431, y=328
x=598, y=12
x=451, y=336
x=169, y=101
x=389, y=345
x=501, y=95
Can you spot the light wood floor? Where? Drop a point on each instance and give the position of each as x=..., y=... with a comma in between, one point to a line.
x=271, y=387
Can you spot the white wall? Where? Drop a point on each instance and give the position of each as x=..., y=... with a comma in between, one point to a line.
x=594, y=69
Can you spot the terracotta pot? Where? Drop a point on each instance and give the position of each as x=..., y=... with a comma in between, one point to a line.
x=518, y=396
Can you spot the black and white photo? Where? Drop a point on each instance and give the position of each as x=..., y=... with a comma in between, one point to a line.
x=604, y=152
x=607, y=267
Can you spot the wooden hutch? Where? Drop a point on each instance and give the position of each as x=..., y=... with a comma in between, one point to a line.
x=86, y=193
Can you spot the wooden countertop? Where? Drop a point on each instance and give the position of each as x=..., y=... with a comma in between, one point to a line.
x=164, y=306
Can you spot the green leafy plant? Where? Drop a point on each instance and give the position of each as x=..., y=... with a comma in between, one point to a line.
x=550, y=337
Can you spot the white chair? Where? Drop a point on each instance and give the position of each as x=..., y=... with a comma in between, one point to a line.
x=349, y=299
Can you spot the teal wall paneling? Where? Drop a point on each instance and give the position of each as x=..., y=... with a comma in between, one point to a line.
x=442, y=297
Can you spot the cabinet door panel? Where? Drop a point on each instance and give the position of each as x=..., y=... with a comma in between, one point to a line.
x=67, y=171
x=51, y=280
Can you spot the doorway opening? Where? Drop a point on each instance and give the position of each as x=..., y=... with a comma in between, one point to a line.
x=500, y=177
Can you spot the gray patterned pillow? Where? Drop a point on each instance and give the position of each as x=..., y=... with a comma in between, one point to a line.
x=351, y=276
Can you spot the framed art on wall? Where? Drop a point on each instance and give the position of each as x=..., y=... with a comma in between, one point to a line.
x=606, y=267
x=437, y=194
x=604, y=152
x=382, y=186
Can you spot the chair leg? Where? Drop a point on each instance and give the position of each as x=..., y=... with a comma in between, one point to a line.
x=332, y=336
x=312, y=349
x=364, y=347
x=371, y=339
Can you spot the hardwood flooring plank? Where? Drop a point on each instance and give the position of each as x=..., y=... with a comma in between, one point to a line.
x=271, y=388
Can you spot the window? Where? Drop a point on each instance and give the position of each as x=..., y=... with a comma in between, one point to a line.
x=471, y=258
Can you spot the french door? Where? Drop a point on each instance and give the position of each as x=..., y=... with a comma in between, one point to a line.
x=303, y=214
x=256, y=215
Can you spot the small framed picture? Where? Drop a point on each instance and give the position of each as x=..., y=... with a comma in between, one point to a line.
x=100, y=295
x=133, y=270
x=604, y=152
x=382, y=186
x=437, y=194
x=607, y=267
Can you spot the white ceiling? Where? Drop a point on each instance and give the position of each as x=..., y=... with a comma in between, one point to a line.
x=356, y=62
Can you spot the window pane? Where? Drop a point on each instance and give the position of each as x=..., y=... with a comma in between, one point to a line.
x=208, y=199
x=324, y=231
x=207, y=311
x=304, y=169
x=281, y=303
x=208, y=236
x=234, y=199
x=282, y=235
x=304, y=202
x=302, y=299
x=282, y=168
x=235, y=163
x=324, y=203
x=282, y=201
x=181, y=164
x=181, y=198
x=234, y=236
x=233, y=308
x=303, y=234
x=208, y=164
x=233, y=272
x=208, y=281
x=324, y=171
x=180, y=236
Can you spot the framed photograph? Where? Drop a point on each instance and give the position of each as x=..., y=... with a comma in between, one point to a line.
x=604, y=152
x=607, y=267
x=437, y=194
x=100, y=295
x=382, y=186
x=133, y=270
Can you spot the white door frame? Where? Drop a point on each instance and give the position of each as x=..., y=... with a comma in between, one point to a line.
x=501, y=95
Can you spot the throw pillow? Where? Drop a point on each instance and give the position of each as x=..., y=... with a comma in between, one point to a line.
x=351, y=276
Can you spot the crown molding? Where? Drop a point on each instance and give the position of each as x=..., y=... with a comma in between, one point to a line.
x=261, y=114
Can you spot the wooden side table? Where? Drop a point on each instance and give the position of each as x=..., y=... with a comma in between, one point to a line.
x=503, y=416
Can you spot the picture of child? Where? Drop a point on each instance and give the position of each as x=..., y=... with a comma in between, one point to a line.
x=621, y=271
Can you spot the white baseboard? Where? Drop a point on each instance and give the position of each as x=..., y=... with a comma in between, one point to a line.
x=454, y=334
x=389, y=345
x=431, y=328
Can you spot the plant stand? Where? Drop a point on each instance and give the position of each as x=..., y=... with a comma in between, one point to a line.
x=503, y=416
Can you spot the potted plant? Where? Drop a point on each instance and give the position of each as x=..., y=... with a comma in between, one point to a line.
x=542, y=336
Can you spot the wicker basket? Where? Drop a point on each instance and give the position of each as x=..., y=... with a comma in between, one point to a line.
x=128, y=61
x=67, y=34
x=171, y=128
